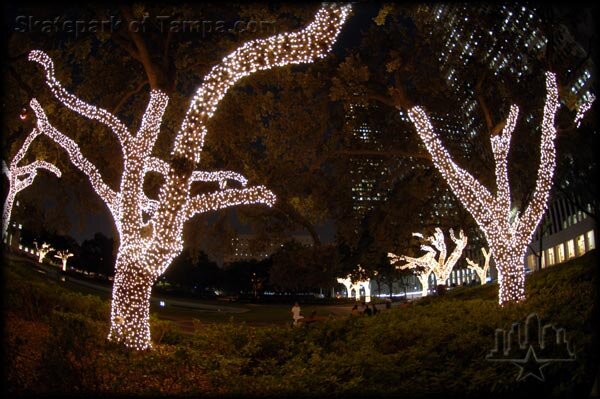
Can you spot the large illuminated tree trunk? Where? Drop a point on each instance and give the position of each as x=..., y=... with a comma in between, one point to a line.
x=424, y=280
x=507, y=233
x=150, y=230
x=130, y=306
x=511, y=275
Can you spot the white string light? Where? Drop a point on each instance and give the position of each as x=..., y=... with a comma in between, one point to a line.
x=481, y=271
x=21, y=177
x=583, y=108
x=150, y=230
x=63, y=256
x=220, y=176
x=507, y=233
x=427, y=263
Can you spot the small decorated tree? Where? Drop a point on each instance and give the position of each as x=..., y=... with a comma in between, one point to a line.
x=63, y=256
x=42, y=251
x=427, y=264
x=352, y=283
x=481, y=271
x=422, y=267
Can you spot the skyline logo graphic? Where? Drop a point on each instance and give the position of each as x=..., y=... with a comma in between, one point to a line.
x=533, y=349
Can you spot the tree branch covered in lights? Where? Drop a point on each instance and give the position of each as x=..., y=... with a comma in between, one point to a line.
x=507, y=234
x=21, y=177
x=427, y=263
x=150, y=229
x=481, y=271
x=583, y=108
x=63, y=256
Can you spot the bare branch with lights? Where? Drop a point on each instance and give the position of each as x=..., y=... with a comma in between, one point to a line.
x=21, y=177
x=75, y=104
x=110, y=198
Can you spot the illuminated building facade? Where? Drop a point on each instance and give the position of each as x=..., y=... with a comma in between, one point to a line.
x=511, y=47
x=565, y=233
x=247, y=247
x=368, y=173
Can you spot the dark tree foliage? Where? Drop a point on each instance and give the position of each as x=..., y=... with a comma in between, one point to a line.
x=97, y=255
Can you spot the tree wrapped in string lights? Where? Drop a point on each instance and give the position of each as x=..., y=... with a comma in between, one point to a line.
x=479, y=270
x=427, y=264
x=421, y=267
x=149, y=229
x=507, y=234
x=21, y=177
x=356, y=284
x=42, y=251
x=63, y=256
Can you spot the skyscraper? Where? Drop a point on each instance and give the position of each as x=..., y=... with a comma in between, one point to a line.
x=507, y=39
x=368, y=172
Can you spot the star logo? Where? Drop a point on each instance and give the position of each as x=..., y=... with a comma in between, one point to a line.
x=531, y=366
x=532, y=351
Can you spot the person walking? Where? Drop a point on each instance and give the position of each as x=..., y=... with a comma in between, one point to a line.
x=296, y=316
x=355, y=311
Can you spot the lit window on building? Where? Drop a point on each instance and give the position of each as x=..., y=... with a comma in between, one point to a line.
x=543, y=260
x=580, y=245
x=560, y=251
x=591, y=240
x=571, y=248
x=531, y=260
x=551, y=259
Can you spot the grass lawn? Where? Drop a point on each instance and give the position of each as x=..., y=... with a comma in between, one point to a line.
x=55, y=344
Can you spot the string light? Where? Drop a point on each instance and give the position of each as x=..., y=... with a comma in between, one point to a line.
x=63, y=256
x=427, y=263
x=150, y=230
x=506, y=232
x=42, y=251
x=21, y=177
x=583, y=108
x=481, y=271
